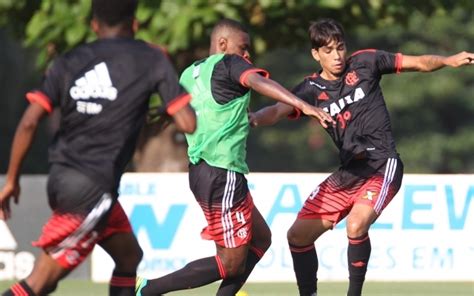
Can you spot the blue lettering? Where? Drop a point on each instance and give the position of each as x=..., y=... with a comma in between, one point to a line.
x=382, y=258
x=456, y=222
x=417, y=258
x=374, y=258
x=423, y=258
x=391, y=257
x=437, y=260
x=278, y=206
x=341, y=224
x=161, y=264
x=251, y=186
x=286, y=261
x=161, y=235
x=137, y=189
x=410, y=206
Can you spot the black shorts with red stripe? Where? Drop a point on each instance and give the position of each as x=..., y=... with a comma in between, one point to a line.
x=225, y=199
x=83, y=215
x=371, y=182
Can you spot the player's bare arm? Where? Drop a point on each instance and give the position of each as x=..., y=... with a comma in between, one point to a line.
x=22, y=141
x=274, y=90
x=270, y=115
x=185, y=119
x=429, y=63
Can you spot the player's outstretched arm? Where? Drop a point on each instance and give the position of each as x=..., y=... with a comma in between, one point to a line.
x=429, y=63
x=274, y=90
x=22, y=141
x=270, y=115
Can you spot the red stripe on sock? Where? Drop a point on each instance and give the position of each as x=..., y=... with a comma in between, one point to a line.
x=301, y=249
x=221, y=267
x=358, y=264
x=119, y=281
x=18, y=290
x=359, y=240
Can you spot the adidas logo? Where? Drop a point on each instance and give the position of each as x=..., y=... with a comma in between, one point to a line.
x=95, y=83
x=8, y=242
x=323, y=96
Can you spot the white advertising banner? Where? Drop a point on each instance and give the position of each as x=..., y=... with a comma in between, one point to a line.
x=425, y=234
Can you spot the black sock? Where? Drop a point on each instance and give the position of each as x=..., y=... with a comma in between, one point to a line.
x=305, y=265
x=122, y=283
x=230, y=286
x=358, y=254
x=20, y=288
x=195, y=274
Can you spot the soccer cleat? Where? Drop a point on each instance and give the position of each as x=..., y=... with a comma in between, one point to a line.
x=139, y=285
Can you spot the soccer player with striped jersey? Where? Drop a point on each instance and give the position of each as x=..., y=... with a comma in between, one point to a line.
x=220, y=86
x=102, y=90
x=371, y=170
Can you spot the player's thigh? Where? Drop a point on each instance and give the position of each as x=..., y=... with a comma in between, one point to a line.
x=118, y=240
x=359, y=219
x=261, y=234
x=233, y=259
x=124, y=250
x=305, y=231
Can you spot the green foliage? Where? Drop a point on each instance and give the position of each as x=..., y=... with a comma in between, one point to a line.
x=183, y=26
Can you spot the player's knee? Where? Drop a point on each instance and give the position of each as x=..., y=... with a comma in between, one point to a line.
x=136, y=257
x=129, y=262
x=356, y=228
x=264, y=242
x=234, y=269
x=267, y=243
x=233, y=265
x=50, y=288
x=293, y=237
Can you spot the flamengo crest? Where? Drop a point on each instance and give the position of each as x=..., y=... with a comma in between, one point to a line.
x=352, y=78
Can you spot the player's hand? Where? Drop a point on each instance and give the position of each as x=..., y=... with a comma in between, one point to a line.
x=253, y=121
x=324, y=118
x=9, y=191
x=460, y=59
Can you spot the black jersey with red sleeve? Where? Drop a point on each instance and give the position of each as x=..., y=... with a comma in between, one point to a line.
x=229, y=77
x=102, y=90
x=356, y=103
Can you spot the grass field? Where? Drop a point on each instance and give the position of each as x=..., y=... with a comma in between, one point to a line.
x=86, y=288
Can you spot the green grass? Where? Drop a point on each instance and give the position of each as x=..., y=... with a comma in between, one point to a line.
x=86, y=288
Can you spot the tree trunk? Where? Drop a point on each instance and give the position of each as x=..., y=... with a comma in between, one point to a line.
x=161, y=150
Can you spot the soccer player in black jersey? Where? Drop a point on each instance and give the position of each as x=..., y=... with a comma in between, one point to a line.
x=102, y=90
x=371, y=171
x=220, y=85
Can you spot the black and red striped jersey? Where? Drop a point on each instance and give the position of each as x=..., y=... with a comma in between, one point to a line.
x=102, y=90
x=357, y=104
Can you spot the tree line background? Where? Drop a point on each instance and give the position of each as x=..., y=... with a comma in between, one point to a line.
x=432, y=114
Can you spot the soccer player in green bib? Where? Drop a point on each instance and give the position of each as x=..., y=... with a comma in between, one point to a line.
x=220, y=87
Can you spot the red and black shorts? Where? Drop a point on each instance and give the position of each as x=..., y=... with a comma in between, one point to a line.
x=83, y=215
x=225, y=199
x=371, y=182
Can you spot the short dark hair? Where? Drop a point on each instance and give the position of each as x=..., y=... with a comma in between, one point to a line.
x=114, y=12
x=324, y=31
x=230, y=24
